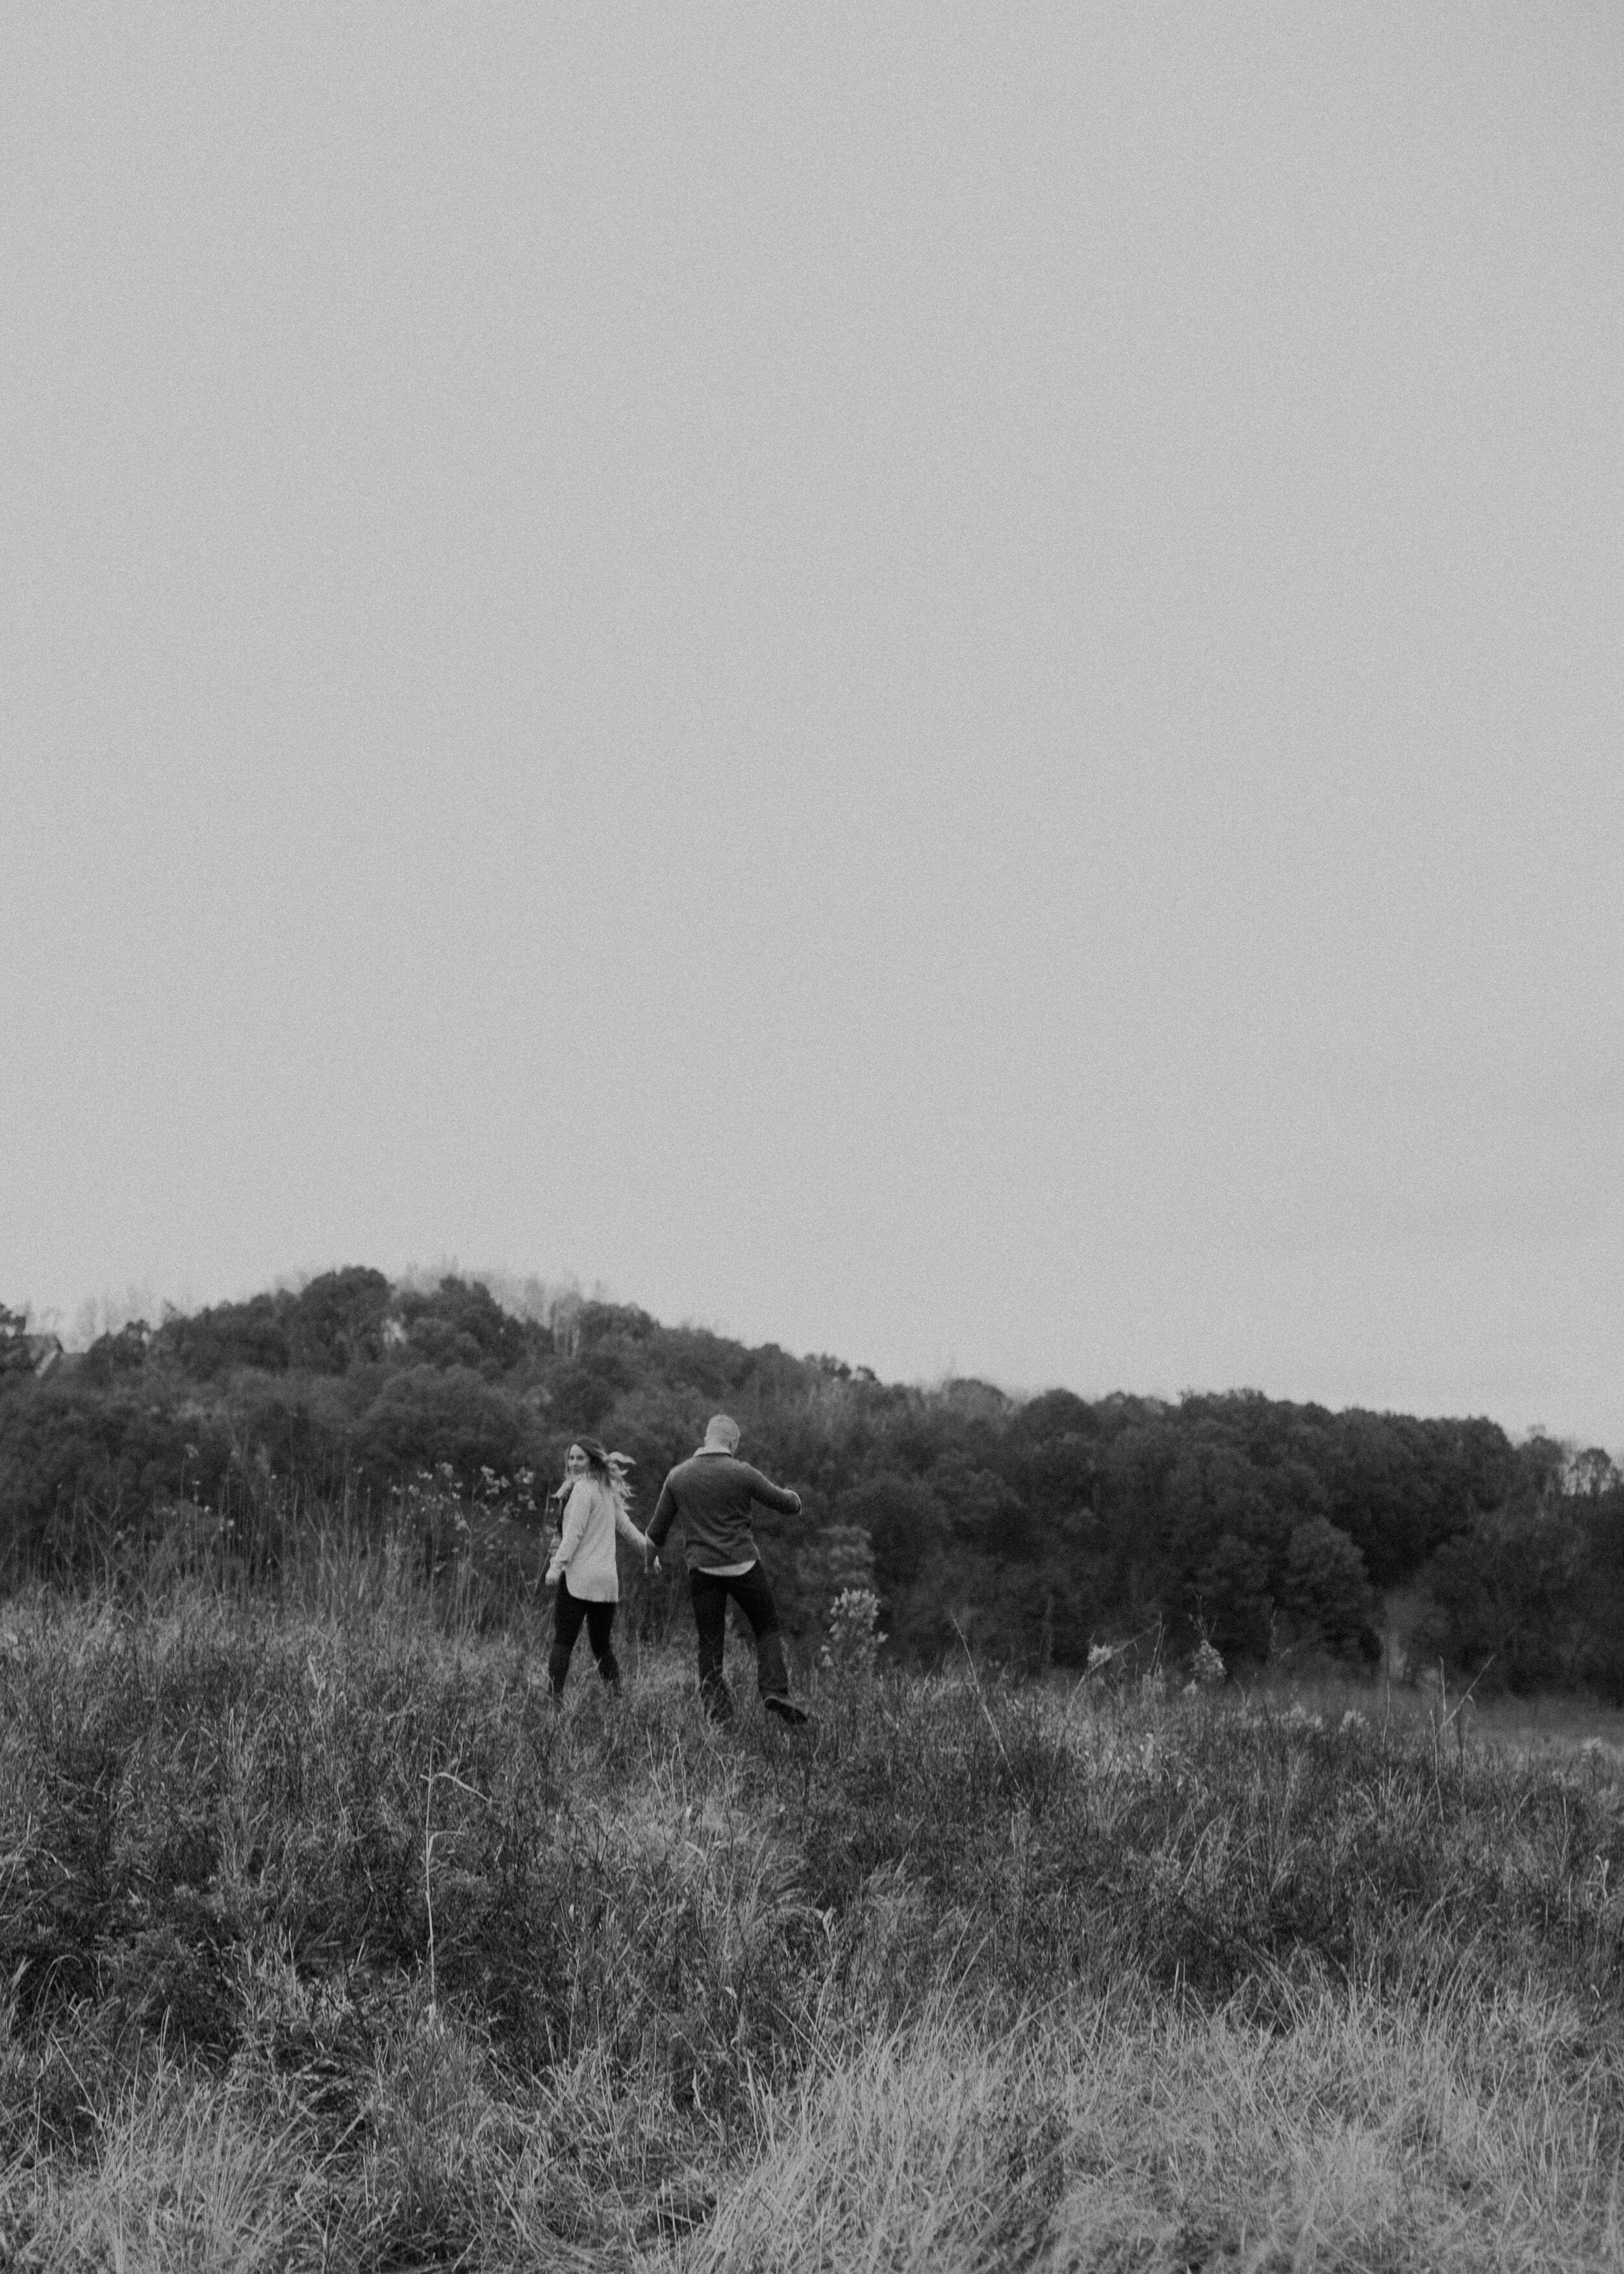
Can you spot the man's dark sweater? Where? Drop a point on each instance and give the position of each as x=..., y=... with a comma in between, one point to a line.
x=712, y=1493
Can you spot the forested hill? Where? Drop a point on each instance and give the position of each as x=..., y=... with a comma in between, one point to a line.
x=1034, y=1528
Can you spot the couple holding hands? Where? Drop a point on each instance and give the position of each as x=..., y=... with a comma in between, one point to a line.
x=712, y=1493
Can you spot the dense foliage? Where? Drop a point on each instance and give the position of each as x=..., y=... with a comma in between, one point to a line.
x=1031, y=1530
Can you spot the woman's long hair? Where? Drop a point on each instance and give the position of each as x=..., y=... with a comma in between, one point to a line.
x=609, y=1469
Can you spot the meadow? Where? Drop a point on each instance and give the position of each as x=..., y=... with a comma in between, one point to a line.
x=328, y=1941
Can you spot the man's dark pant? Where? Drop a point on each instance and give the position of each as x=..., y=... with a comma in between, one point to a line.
x=567, y=1617
x=750, y=1590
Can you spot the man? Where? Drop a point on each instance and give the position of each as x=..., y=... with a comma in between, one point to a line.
x=712, y=1493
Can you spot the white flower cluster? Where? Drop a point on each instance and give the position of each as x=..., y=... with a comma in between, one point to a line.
x=1206, y=1668
x=853, y=1643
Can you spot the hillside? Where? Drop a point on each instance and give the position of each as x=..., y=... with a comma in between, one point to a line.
x=1031, y=1531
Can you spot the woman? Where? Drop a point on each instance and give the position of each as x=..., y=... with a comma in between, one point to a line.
x=593, y=1501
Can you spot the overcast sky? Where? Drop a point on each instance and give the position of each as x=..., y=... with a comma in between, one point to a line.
x=941, y=684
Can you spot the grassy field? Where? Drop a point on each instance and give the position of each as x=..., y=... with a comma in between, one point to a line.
x=327, y=1940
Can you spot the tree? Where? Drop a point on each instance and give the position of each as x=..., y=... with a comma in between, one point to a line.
x=1513, y=1590
x=1231, y=1600
x=903, y=1519
x=338, y=1319
x=428, y=1414
x=15, y=1357
x=583, y=1392
x=1591, y=1473
x=986, y=1515
x=461, y=1324
x=111, y=1356
x=215, y=1342
x=1325, y=1588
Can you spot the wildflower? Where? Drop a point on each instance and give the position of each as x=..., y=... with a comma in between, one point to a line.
x=1206, y=1668
x=853, y=1644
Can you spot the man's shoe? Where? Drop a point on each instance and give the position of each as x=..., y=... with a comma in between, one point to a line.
x=786, y=1710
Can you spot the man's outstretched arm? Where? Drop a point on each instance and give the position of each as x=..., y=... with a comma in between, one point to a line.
x=771, y=1495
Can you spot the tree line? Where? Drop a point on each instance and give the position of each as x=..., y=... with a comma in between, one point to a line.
x=1032, y=1530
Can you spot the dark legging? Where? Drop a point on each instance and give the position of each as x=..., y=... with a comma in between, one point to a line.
x=750, y=1590
x=567, y=1617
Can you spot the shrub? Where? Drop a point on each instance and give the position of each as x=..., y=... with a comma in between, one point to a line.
x=427, y=1415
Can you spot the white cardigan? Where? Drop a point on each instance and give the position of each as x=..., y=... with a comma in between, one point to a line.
x=585, y=1553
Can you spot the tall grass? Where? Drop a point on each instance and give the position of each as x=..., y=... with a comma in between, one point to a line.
x=328, y=1939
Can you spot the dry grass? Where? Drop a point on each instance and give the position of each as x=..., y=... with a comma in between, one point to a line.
x=331, y=1943
x=1096, y=2137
